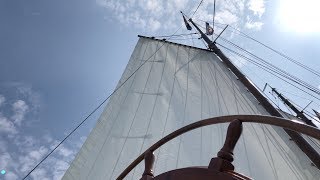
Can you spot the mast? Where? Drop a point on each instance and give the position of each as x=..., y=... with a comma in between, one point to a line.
x=313, y=155
x=299, y=113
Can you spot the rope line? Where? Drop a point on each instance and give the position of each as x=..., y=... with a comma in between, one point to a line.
x=280, y=71
x=118, y=113
x=271, y=71
x=94, y=110
x=313, y=71
x=197, y=8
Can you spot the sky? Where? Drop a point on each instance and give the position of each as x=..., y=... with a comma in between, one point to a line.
x=60, y=59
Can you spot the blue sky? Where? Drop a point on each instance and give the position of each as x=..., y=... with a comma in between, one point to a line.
x=60, y=59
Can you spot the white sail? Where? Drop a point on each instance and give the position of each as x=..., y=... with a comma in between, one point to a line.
x=179, y=85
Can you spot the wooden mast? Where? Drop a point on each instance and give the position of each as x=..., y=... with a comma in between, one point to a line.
x=299, y=113
x=313, y=155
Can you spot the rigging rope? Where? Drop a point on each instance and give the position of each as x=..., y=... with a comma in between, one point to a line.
x=265, y=68
x=95, y=109
x=197, y=8
x=289, y=93
x=175, y=35
x=181, y=39
x=299, y=96
x=275, y=69
x=317, y=73
x=286, y=74
x=250, y=60
x=271, y=67
x=274, y=50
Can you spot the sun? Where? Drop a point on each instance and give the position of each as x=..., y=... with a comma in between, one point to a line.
x=299, y=16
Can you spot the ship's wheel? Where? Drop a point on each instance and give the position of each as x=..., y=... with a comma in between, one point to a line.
x=220, y=167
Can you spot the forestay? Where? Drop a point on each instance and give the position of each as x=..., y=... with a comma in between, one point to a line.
x=179, y=85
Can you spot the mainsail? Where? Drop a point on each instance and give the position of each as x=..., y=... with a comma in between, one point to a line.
x=178, y=85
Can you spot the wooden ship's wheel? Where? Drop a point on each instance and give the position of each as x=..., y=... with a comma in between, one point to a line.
x=220, y=167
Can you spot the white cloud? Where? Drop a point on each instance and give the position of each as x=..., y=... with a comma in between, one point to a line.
x=153, y=6
x=2, y=99
x=20, y=109
x=3, y=145
x=66, y=152
x=257, y=7
x=5, y=159
x=47, y=138
x=178, y=4
x=40, y=173
x=254, y=25
x=155, y=15
x=32, y=96
x=39, y=153
x=145, y=14
x=53, y=168
x=6, y=126
x=25, y=141
x=59, y=169
x=11, y=176
x=6, y=163
x=226, y=17
x=27, y=92
x=25, y=150
x=29, y=160
x=154, y=24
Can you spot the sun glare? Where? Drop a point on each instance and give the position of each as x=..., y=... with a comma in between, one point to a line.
x=300, y=16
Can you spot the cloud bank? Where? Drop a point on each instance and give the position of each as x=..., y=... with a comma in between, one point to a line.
x=20, y=151
x=156, y=15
